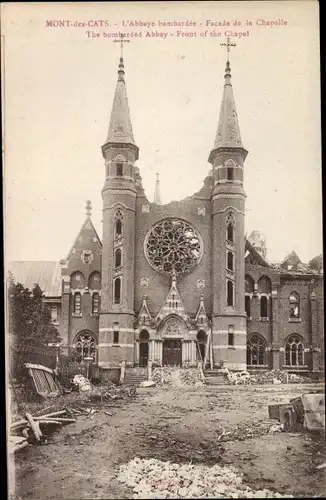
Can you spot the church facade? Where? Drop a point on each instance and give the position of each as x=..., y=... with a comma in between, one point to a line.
x=179, y=283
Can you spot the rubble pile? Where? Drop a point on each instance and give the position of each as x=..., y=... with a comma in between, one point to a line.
x=190, y=376
x=111, y=392
x=169, y=376
x=155, y=479
x=237, y=378
x=102, y=393
x=283, y=377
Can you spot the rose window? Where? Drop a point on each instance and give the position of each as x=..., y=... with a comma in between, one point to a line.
x=173, y=245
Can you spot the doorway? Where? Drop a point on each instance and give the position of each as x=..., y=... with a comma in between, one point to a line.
x=143, y=348
x=172, y=352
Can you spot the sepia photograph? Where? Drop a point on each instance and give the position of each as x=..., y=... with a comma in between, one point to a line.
x=163, y=250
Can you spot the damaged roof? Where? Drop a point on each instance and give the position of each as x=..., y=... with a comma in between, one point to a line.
x=44, y=273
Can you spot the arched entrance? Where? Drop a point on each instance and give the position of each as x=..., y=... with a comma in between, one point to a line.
x=143, y=348
x=172, y=352
x=201, y=345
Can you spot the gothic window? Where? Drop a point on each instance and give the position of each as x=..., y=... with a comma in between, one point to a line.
x=230, y=293
x=294, y=305
x=117, y=291
x=85, y=346
x=94, y=281
x=294, y=351
x=230, y=232
x=256, y=350
x=230, y=174
x=248, y=306
x=263, y=307
x=231, y=335
x=118, y=217
x=95, y=303
x=77, y=303
x=230, y=261
x=117, y=258
x=119, y=169
x=173, y=245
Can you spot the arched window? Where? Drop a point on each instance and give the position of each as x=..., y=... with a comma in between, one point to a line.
x=117, y=291
x=117, y=258
x=77, y=280
x=230, y=261
x=248, y=306
x=294, y=305
x=264, y=285
x=230, y=174
x=95, y=303
x=256, y=350
x=94, y=281
x=230, y=293
x=263, y=307
x=294, y=351
x=85, y=345
x=249, y=284
x=230, y=232
x=118, y=218
x=119, y=169
x=231, y=335
x=77, y=303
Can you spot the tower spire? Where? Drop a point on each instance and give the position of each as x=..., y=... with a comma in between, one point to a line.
x=157, y=192
x=120, y=128
x=228, y=130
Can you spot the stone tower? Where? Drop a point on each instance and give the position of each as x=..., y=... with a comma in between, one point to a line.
x=228, y=213
x=116, y=325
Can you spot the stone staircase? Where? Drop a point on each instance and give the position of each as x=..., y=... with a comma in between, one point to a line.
x=215, y=377
x=134, y=376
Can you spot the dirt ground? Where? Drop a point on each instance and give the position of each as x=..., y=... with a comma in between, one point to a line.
x=181, y=425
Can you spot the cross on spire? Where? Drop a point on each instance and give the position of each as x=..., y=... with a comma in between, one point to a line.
x=122, y=41
x=228, y=44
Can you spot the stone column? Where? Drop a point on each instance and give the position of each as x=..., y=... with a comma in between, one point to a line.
x=137, y=352
x=315, y=349
x=275, y=321
x=160, y=351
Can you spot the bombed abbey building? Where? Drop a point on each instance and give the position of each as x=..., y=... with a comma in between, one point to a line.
x=178, y=283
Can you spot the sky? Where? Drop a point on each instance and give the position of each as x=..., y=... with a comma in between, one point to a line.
x=58, y=91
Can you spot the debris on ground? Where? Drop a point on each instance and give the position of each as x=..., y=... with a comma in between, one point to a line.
x=236, y=378
x=277, y=377
x=35, y=428
x=307, y=411
x=155, y=479
x=147, y=383
x=84, y=385
x=170, y=376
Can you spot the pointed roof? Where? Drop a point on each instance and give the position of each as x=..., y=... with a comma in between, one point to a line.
x=120, y=128
x=88, y=225
x=228, y=130
x=157, y=192
x=201, y=316
x=144, y=316
x=173, y=303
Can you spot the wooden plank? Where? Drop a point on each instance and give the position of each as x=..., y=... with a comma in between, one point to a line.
x=50, y=415
x=34, y=426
